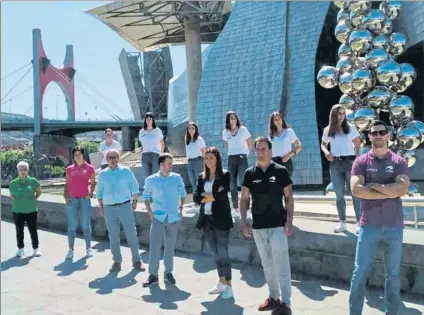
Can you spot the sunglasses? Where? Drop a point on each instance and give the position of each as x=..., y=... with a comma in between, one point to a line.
x=379, y=133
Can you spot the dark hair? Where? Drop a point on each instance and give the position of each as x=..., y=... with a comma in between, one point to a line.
x=227, y=120
x=334, y=120
x=219, y=170
x=272, y=128
x=379, y=123
x=107, y=130
x=187, y=138
x=163, y=156
x=263, y=139
x=78, y=149
x=149, y=114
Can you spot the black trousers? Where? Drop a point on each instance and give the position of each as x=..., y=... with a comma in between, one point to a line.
x=288, y=165
x=31, y=220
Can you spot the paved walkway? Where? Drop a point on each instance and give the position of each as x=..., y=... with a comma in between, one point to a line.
x=48, y=285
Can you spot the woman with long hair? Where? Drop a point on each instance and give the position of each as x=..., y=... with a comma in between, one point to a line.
x=195, y=150
x=283, y=139
x=24, y=192
x=77, y=196
x=345, y=146
x=238, y=141
x=215, y=217
x=151, y=139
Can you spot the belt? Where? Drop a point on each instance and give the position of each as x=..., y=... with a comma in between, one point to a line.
x=119, y=204
x=344, y=157
x=196, y=158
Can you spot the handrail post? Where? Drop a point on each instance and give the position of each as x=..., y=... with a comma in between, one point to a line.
x=416, y=216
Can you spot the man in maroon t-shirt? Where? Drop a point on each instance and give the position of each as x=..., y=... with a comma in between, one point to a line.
x=379, y=178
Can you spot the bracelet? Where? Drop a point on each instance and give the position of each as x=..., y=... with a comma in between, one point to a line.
x=294, y=152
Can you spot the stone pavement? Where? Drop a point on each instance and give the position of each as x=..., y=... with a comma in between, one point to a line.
x=48, y=285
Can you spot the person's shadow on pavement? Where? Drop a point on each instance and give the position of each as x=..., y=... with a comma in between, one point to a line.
x=375, y=299
x=313, y=290
x=111, y=281
x=15, y=262
x=67, y=267
x=166, y=298
x=220, y=306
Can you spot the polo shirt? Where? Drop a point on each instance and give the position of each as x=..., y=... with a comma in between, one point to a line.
x=266, y=189
x=380, y=212
x=78, y=177
x=24, y=194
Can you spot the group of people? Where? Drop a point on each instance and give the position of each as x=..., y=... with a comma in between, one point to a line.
x=376, y=179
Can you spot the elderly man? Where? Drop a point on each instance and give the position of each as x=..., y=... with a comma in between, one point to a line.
x=107, y=145
x=117, y=192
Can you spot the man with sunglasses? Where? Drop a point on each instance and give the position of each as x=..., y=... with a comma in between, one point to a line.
x=379, y=178
x=117, y=193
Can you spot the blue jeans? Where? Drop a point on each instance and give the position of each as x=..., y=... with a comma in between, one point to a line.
x=237, y=165
x=84, y=207
x=340, y=177
x=195, y=167
x=368, y=241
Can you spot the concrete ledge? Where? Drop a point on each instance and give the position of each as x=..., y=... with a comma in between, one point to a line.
x=314, y=248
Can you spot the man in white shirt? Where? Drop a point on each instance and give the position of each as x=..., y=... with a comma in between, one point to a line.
x=108, y=145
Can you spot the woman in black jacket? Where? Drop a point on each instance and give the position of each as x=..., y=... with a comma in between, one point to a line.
x=215, y=217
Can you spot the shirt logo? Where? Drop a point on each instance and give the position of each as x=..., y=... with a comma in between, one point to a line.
x=389, y=169
x=272, y=179
x=256, y=181
x=371, y=170
x=221, y=188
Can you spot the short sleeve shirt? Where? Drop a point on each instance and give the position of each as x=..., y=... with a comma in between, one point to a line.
x=266, y=189
x=237, y=143
x=382, y=212
x=24, y=195
x=104, y=148
x=341, y=144
x=194, y=148
x=150, y=140
x=78, y=178
x=282, y=144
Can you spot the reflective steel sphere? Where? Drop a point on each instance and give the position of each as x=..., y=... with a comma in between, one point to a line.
x=348, y=102
x=402, y=107
x=350, y=116
x=359, y=6
x=355, y=18
x=360, y=40
x=388, y=73
x=363, y=80
x=376, y=56
x=420, y=126
x=343, y=15
x=407, y=77
x=387, y=28
x=374, y=20
x=409, y=138
x=345, y=83
x=328, y=77
x=390, y=8
x=397, y=43
x=409, y=156
x=363, y=117
x=346, y=64
x=392, y=135
x=379, y=97
x=342, y=31
x=413, y=190
x=381, y=41
x=340, y=4
x=344, y=51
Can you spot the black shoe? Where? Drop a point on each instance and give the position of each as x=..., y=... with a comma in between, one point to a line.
x=269, y=305
x=150, y=281
x=169, y=278
x=283, y=309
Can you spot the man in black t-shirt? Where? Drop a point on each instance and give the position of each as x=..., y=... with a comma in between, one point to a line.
x=267, y=183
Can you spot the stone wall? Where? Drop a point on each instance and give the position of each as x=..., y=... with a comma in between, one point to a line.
x=314, y=249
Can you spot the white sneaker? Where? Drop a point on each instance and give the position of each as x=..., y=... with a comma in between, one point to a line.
x=70, y=254
x=20, y=253
x=218, y=289
x=235, y=213
x=341, y=227
x=89, y=252
x=228, y=293
x=358, y=228
x=36, y=253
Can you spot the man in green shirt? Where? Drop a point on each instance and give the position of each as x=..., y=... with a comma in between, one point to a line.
x=24, y=192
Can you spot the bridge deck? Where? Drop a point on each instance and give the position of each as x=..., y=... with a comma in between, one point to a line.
x=48, y=285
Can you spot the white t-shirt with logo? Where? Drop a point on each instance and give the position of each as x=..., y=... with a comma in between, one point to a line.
x=194, y=149
x=341, y=144
x=208, y=189
x=150, y=140
x=282, y=144
x=104, y=148
x=237, y=144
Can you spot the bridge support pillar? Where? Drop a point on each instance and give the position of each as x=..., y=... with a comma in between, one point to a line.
x=129, y=135
x=194, y=62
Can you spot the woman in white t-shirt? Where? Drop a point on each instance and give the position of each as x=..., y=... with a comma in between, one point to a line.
x=151, y=138
x=107, y=145
x=345, y=144
x=283, y=138
x=195, y=151
x=238, y=141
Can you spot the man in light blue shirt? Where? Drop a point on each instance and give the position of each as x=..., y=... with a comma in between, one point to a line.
x=167, y=192
x=117, y=192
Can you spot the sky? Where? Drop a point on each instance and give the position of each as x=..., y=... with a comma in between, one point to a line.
x=96, y=51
